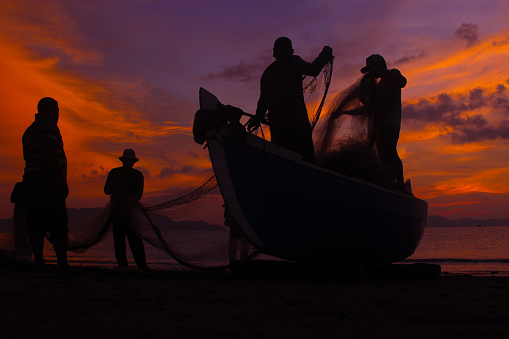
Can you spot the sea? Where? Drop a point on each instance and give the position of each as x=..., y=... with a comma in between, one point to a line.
x=479, y=251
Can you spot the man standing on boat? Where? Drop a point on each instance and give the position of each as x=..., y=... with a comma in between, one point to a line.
x=386, y=97
x=282, y=96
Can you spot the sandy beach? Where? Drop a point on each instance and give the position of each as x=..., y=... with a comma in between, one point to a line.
x=108, y=303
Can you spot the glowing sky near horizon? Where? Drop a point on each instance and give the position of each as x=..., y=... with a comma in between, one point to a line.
x=126, y=75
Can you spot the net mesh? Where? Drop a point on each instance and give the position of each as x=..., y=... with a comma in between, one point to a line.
x=315, y=92
x=345, y=141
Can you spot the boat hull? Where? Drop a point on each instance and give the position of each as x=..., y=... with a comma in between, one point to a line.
x=298, y=211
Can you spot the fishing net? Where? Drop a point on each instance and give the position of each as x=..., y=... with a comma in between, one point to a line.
x=315, y=92
x=195, y=245
x=345, y=140
x=157, y=231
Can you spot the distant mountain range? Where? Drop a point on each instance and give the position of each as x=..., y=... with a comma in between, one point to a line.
x=81, y=218
x=438, y=221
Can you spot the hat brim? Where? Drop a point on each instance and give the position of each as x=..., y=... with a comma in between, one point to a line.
x=129, y=159
x=365, y=69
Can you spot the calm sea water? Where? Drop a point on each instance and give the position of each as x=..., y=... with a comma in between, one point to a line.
x=466, y=250
x=459, y=250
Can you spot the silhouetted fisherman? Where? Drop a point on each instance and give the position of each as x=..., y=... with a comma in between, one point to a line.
x=281, y=94
x=45, y=183
x=385, y=98
x=125, y=183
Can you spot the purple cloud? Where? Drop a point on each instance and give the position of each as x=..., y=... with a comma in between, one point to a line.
x=242, y=72
x=450, y=111
x=409, y=58
x=467, y=32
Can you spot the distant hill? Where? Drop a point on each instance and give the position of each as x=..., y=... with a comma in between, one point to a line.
x=81, y=218
x=438, y=221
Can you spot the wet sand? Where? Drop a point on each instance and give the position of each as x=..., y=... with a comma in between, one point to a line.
x=108, y=303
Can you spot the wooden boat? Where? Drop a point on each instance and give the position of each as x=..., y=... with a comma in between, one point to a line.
x=298, y=211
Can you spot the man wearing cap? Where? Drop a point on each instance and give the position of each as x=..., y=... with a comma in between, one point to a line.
x=282, y=96
x=385, y=101
x=122, y=185
x=45, y=183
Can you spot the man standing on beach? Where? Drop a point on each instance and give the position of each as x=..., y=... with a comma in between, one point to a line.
x=124, y=185
x=45, y=183
x=281, y=94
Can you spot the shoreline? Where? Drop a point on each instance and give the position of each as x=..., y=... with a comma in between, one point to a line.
x=104, y=303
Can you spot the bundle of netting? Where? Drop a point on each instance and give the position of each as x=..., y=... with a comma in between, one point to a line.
x=315, y=90
x=195, y=245
x=345, y=139
x=153, y=229
x=186, y=203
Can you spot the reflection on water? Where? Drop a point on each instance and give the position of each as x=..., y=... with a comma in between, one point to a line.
x=470, y=250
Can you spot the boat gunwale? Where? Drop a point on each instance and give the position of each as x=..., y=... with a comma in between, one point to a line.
x=276, y=150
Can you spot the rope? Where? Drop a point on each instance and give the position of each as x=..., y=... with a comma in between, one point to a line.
x=327, y=77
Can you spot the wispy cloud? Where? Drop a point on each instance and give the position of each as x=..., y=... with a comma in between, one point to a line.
x=242, y=72
x=467, y=32
x=459, y=117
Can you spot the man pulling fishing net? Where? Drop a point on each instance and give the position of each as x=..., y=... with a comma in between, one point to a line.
x=281, y=95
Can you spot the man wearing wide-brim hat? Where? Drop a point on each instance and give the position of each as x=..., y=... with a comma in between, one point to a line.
x=386, y=103
x=128, y=156
x=123, y=185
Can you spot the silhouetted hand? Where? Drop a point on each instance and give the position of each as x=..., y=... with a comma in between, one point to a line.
x=63, y=189
x=327, y=51
x=234, y=113
x=253, y=124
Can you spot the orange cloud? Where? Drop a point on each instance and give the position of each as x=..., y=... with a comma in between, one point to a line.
x=94, y=134
x=458, y=71
x=458, y=203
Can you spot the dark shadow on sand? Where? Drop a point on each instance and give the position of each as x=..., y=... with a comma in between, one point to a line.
x=284, y=270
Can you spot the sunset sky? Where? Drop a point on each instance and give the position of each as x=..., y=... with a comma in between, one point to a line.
x=126, y=74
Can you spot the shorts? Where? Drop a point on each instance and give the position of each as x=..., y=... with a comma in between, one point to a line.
x=46, y=211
